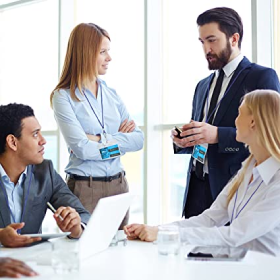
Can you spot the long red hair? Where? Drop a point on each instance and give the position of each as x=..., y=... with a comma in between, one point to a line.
x=81, y=56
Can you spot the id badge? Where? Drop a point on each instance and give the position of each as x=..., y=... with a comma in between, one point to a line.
x=109, y=150
x=199, y=152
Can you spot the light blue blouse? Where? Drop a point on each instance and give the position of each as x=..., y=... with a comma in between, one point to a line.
x=76, y=119
x=14, y=193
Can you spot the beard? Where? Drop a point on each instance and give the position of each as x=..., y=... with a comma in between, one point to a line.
x=220, y=60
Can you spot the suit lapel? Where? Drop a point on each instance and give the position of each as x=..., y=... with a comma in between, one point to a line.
x=235, y=82
x=29, y=180
x=202, y=100
x=4, y=210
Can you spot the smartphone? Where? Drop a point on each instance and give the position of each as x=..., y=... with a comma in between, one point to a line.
x=216, y=253
x=178, y=130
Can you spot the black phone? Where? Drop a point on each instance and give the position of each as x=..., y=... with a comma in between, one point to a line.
x=178, y=130
x=216, y=253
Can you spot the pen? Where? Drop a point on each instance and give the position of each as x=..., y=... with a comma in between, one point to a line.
x=53, y=210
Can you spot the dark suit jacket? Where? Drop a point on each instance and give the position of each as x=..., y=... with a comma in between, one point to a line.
x=46, y=185
x=225, y=157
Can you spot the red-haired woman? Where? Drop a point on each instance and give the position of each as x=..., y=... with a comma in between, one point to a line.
x=93, y=119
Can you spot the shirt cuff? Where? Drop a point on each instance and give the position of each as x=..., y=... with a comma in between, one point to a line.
x=83, y=227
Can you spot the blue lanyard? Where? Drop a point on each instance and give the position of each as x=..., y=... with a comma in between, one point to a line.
x=244, y=204
x=101, y=123
x=218, y=104
x=25, y=202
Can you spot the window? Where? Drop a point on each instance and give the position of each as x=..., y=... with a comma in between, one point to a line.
x=29, y=60
x=276, y=25
x=157, y=62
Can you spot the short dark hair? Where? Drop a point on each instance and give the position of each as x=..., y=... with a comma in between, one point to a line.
x=228, y=20
x=11, y=117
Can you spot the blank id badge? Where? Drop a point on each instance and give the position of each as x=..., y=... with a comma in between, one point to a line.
x=199, y=152
x=109, y=150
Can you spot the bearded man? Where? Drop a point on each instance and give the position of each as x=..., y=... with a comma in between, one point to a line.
x=210, y=136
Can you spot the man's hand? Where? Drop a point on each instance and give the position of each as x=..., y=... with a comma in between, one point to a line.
x=127, y=126
x=143, y=232
x=14, y=268
x=71, y=221
x=196, y=133
x=10, y=238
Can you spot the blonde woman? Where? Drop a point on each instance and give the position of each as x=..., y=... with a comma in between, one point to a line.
x=251, y=200
x=93, y=119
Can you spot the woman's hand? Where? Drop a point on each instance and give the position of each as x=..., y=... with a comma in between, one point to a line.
x=141, y=231
x=95, y=138
x=127, y=126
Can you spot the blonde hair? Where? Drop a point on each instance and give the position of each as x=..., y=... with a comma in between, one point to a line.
x=264, y=106
x=80, y=61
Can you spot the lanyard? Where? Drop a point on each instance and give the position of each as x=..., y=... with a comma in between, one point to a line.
x=218, y=103
x=25, y=201
x=101, y=123
x=244, y=204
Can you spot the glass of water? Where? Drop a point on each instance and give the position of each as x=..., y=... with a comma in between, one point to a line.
x=65, y=256
x=168, y=240
x=120, y=236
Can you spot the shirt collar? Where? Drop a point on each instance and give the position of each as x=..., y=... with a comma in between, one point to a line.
x=268, y=169
x=4, y=174
x=84, y=89
x=232, y=65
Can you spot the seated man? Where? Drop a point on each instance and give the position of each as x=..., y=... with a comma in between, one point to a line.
x=14, y=268
x=28, y=182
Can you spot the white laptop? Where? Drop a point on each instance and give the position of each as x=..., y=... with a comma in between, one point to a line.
x=103, y=224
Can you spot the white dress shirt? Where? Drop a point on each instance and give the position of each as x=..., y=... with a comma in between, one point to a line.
x=257, y=227
x=229, y=70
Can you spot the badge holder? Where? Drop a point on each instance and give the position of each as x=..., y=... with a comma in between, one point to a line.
x=108, y=149
x=199, y=152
